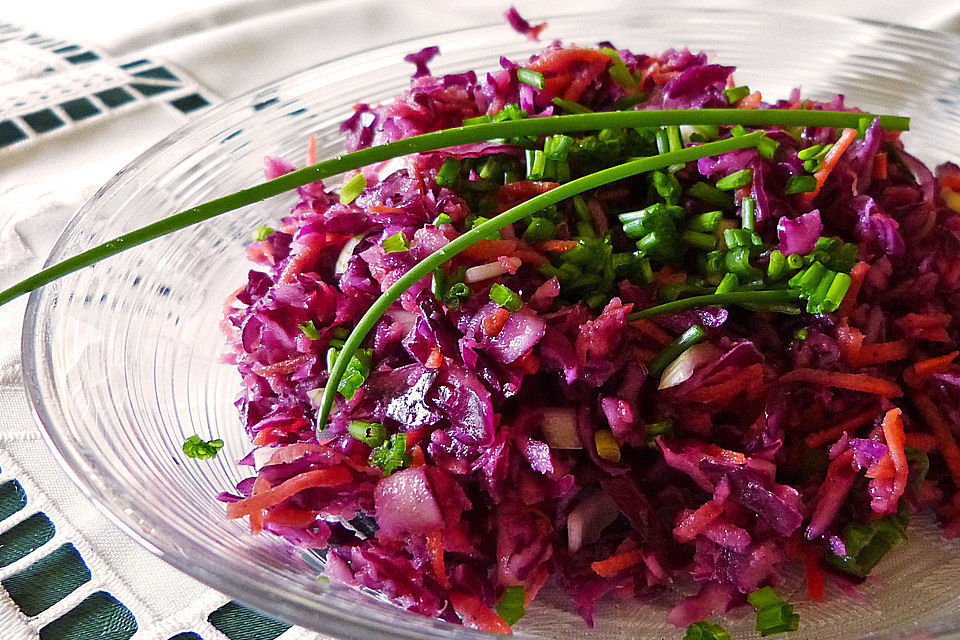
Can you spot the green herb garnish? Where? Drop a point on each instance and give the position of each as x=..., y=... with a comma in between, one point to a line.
x=512, y=604
x=391, y=455
x=196, y=447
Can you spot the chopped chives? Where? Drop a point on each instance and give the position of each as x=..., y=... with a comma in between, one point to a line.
x=768, y=148
x=663, y=141
x=735, y=94
x=442, y=219
x=536, y=169
x=540, y=229
x=395, y=243
x=511, y=606
x=655, y=429
x=619, y=71
x=838, y=289
x=391, y=454
x=815, y=301
x=506, y=298
x=261, y=233
x=672, y=351
x=801, y=184
x=737, y=130
x=730, y=282
x=794, y=261
x=704, y=630
x=774, y=615
x=748, y=208
x=489, y=169
x=200, y=449
x=674, y=139
x=369, y=433
x=801, y=334
x=557, y=147
x=738, y=261
x=352, y=188
x=705, y=222
x=310, y=330
x=706, y=192
x=530, y=77
x=699, y=240
x=808, y=279
x=735, y=180
x=569, y=105
x=777, y=265
x=449, y=171
x=708, y=131
x=810, y=152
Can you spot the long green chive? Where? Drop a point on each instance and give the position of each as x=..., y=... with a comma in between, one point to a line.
x=801, y=184
x=735, y=180
x=506, y=298
x=369, y=433
x=630, y=101
x=777, y=265
x=449, y=171
x=437, y=140
x=774, y=298
x=310, y=330
x=619, y=72
x=736, y=94
x=484, y=119
x=530, y=77
x=705, y=222
x=261, y=233
x=672, y=351
x=729, y=283
x=508, y=217
x=748, y=208
x=511, y=606
x=704, y=630
x=352, y=188
x=395, y=243
x=706, y=192
x=571, y=106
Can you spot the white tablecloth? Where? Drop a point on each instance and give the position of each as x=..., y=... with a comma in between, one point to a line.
x=225, y=48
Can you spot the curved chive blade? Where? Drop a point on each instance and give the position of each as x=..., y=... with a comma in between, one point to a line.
x=775, y=298
x=672, y=351
x=493, y=226
x=438, y=140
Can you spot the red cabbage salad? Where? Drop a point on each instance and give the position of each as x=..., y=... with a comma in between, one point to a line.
x=670, y=386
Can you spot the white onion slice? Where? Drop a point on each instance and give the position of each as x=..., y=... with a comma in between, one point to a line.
x=686, y=363
x=345, y=254
x=588, y=519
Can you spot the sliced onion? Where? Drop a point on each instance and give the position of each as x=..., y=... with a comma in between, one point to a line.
x=560, y=428
x=686, y=363
x=490, y=270
x=261, y=456
x=345, y=254
x=588, y=519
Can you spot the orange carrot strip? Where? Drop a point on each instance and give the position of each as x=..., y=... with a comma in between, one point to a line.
x=725, y=455
x=312, y=150
x=941, y=431
x=830, y=434
x=727, y=389
x=475, y=613
x=493, y=324
x=260, y=485
x=930, y=366
x=278, y=368
x=560, y=59
x=852, y=381
x=290, y=516
x=696, y=522
x=416, y=456
x=435, y=551
x=299, y=260
x=857, y=274
x=751, y=101
x=617, y=563
x=330, y=477
x=489, y=249
x=882, y=469
x=893, y=433
x=830, y=161
x=556, y=246
x=435, y=359
x=880, y=166
x=814, y=573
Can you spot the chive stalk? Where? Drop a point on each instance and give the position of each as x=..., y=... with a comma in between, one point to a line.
x=773, y=298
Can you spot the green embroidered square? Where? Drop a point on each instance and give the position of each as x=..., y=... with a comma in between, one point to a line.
x=26, y=537
x=99, y=617
x=190, y=635
x=47, y=581
x=238, y=622
x=12, y=498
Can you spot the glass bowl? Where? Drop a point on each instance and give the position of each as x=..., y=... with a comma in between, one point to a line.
x=121, y=359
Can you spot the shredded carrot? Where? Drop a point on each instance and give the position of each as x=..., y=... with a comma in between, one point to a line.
x=329, y=477
x=893, y=433
x=556, y=246
x=290, y=516
x=830, y=161
x=723, y=391
x=490, y=249
x=266, y=437
x=850, y=425
x=652, y=331
x=567, y=83
x=696, y=522
x=858, y=354
x=516, y=192
x=853, y=381
x=884, y=468
x=941, y=431
x=435, y=551
x=857, y=274
x=751, y=101
x=475, y=613
x=880, y=166
x=725, y=455
x=921, y=441
x=494, y=323
x=279, y=368
x=260, y=485
x=814, y=573
x=931, y=366
x=416, y=456
x=307, y=254
x=312, y=150
x=617, y=563
x=435, y=359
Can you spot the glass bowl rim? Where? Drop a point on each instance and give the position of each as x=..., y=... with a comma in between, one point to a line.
x=263, y=596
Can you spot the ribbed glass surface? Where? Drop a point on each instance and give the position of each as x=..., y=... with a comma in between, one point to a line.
x=121, y=360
